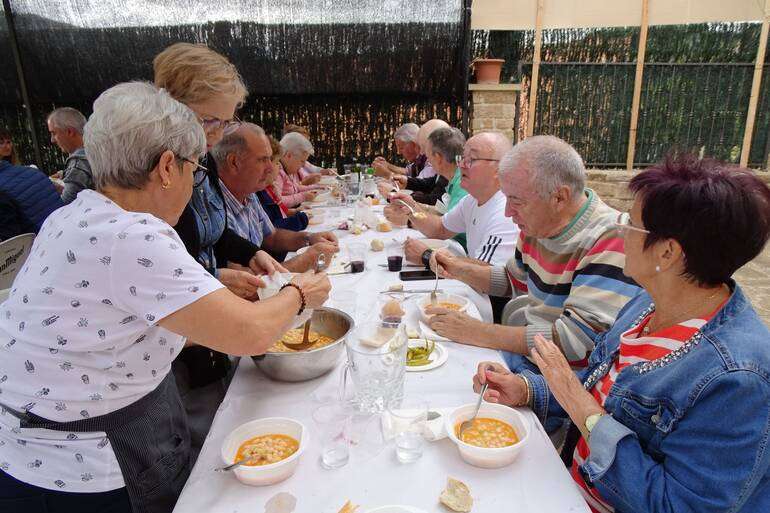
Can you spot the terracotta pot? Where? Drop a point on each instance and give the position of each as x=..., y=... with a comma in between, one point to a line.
x=488, y=70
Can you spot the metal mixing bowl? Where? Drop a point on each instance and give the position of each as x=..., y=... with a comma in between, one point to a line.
x=305, y=365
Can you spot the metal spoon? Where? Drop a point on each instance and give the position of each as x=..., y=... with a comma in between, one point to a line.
x=433, y=296
x=242, y=461
x=407, y=206
x=468, y=423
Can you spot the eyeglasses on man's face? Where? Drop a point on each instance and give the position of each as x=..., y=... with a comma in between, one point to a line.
x=200, y=173
x=623, y=223
x=468, y=161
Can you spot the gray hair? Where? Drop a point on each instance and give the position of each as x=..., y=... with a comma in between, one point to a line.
x=132, y=124
x=234, y=143
x=294, y=142
x=551, y=162
x=67, y=117
x=407, y=133
x=447, y=142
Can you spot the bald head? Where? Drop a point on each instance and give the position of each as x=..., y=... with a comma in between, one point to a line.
x=426, y=129
x=493, y=144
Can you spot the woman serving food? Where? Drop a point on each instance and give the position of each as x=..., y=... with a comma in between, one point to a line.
x=92, y=418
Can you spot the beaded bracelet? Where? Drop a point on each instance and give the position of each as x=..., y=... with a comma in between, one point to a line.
x=303, y=303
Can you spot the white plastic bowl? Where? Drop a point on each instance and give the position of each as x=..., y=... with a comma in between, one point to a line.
x=264, y=475
x=494, y=457
x=425, y=302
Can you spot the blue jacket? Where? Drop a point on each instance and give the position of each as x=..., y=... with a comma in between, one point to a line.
x=690, y=433
x=33, y=192
x=295, y=223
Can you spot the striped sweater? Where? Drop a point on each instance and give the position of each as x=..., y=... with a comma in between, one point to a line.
x=574, y=281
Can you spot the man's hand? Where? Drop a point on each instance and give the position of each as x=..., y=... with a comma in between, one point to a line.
x=324, y=237
x=413, y=250
x=381, y=167
x=401, y=179
x=396, y=214
x=447, y=264
x=457, y=326
x=312, y=179
x=241, y=283
x=262, y=263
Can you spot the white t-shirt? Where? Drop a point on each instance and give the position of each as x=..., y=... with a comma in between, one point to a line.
x=79, y=335
x=491, y=236
x=427, y=171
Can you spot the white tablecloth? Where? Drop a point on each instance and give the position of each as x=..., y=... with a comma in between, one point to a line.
x=536, y=482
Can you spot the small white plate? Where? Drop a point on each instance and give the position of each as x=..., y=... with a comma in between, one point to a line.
x=437, y=358
x=427, y=332
x=396, y=509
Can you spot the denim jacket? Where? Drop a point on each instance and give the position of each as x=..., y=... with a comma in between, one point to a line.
x=689, y=432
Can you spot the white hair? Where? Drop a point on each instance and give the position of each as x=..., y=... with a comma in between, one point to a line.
x=67, y=117
x=407, y=133
x=132, y=125
x=234, y=143
x=294, y=142
x=551, y=163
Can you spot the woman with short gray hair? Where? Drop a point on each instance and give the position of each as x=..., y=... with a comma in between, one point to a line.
x=289, y=182
x=104, y=304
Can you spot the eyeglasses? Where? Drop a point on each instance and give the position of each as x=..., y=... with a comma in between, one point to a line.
x=623, y=223
x=211, y=123
x=200, y=174
x=462, y=159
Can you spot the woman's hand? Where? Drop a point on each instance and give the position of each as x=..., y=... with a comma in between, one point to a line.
x=563, y=383
x=241, y=283
x=315, y=286
x=401, y=179
x=262, y=263
x=504, y=386
x=309, y=195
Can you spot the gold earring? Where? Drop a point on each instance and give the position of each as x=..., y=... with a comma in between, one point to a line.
x=166, y=185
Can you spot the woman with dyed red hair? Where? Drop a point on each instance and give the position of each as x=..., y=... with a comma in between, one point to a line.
x=674, y=406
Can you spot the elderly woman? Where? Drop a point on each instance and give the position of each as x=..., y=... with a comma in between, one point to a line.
x=674, y=406
x=296, y=151
x=101, y=309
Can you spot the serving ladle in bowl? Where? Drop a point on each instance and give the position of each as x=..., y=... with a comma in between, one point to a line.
x=320, y=264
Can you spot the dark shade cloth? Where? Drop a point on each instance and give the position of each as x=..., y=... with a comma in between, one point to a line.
x=12, y=221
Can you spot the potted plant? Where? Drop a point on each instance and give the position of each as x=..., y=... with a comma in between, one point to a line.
x=487, y=69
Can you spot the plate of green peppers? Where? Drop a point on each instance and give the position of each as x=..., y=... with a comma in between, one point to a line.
x=423, y=354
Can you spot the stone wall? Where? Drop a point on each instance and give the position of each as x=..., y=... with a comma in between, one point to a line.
x=494, y=108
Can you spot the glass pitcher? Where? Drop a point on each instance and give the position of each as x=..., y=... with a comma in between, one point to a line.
x=376, y=365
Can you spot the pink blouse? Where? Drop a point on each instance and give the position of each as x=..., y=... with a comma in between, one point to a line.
x=291, y=188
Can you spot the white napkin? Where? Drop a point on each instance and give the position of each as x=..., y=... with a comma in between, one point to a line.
x=273, y=284
x=432, y=430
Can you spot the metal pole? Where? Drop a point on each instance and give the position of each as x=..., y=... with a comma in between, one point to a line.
x=466, y=55
x=22, y=81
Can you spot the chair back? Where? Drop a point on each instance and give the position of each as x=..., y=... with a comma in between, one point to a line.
x=13, y=254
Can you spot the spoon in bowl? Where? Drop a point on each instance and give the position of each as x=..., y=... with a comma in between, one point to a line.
x=468, y=423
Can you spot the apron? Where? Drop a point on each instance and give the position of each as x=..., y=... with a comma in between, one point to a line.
x=151, y=442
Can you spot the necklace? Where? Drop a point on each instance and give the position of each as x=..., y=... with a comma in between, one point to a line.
x=646, y=330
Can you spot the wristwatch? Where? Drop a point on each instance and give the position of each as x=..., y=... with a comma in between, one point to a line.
x=592, y=420
x=426, y=257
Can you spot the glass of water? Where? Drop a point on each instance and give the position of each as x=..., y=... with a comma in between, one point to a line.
x=333, y=423
x=407, y=419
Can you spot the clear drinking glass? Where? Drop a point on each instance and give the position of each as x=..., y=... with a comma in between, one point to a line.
x=345, y=300
x=333, y=422
x=406, y=419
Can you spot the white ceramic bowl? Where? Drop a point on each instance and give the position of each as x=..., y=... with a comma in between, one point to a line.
x=425, y=302
x=264, y=475
x=494, y=457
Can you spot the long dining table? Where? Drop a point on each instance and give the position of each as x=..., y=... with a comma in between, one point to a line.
x=537, y=481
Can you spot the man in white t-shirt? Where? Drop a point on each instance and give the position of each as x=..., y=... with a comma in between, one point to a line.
x=480, y=215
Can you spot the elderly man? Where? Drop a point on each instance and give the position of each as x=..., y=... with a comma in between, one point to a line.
x=408, y=148
x=569, y=258
x=243, y=160
x=480, y=215
x=65, y=125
